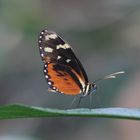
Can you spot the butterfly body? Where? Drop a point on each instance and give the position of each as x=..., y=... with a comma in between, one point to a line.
x=62, y=69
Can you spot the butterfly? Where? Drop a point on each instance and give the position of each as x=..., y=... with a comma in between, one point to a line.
x=62, y=69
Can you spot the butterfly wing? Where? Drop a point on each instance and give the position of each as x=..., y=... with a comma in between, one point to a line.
x=62, y=69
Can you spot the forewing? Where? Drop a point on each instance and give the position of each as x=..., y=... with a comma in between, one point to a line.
x=61, y=64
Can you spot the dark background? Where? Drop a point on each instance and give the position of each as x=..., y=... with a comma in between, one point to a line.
x=106, y=38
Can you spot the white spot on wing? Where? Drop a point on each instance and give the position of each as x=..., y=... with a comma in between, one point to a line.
x=68, y=60
x=42, y=55
x=65, y=46
x=48, y=49
x=49, y=83
x=58, y=57
x=51, y=36
x=51, y=90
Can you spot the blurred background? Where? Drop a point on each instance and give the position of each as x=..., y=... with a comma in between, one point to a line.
x=105, y=37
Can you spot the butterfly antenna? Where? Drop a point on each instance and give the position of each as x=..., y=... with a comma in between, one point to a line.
x=110, y=76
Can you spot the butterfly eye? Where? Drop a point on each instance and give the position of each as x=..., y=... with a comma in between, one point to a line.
x=93, y=88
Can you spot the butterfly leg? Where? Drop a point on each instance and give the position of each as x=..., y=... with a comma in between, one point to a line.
x=80, y=98
x=90, y=101
x=74, y=99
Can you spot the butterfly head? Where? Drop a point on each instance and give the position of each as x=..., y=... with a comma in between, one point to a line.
x=93, y=87
x=90, y=88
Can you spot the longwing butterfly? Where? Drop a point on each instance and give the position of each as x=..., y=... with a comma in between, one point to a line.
x=62, y=69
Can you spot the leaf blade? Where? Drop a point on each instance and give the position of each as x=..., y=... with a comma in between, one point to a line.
x=14, y=111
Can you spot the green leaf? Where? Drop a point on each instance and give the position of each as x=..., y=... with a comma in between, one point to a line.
x=23, y=111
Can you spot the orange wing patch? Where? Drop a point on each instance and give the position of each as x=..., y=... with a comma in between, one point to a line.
x=63, y=81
